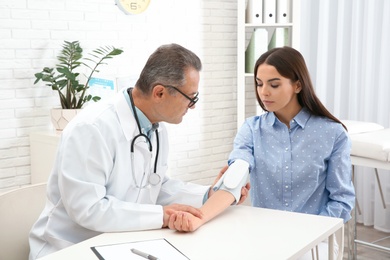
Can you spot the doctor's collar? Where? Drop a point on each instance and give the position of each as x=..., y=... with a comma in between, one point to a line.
x=146, y=126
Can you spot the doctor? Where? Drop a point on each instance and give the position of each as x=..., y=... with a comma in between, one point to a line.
x=110, y=170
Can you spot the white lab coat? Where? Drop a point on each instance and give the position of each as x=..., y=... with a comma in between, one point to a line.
x=91, y=188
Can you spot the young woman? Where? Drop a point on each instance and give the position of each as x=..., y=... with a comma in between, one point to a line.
x=299, y=153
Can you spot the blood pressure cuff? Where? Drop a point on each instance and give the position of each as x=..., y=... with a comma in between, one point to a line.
x=235, y=177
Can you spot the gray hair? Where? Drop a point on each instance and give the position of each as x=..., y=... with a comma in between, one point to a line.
x=167, y=66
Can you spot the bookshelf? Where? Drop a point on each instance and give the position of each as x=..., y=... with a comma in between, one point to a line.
x=255, y=35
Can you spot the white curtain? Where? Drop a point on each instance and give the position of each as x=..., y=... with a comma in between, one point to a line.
x=346, y=44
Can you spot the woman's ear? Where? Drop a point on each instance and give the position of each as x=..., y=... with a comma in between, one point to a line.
x=298, y=86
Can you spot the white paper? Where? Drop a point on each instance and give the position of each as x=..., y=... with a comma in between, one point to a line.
x=160, y=248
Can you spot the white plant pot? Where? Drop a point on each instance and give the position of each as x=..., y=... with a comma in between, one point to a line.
x=61, y=117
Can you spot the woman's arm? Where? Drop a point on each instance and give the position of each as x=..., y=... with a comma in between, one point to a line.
x=216, y=204
x=218, y=201
x=339, y=181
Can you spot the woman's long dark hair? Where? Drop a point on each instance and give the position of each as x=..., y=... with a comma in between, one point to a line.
x=291, y=64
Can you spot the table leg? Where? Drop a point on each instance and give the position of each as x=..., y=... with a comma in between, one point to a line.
x=351, y=228
x=331, y=247
x=380, y=188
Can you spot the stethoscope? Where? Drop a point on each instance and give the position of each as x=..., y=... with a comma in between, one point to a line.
x=153, y=178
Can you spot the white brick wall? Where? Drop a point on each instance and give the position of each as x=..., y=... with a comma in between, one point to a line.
x=32, y=31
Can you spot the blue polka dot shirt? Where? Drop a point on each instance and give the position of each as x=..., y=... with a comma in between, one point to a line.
x=305, y=168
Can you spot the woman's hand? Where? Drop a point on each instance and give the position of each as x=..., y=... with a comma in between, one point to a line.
x=184, y=222
x=244, y=193
x=174, y=209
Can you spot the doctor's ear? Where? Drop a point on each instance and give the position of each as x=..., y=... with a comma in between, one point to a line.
x=158, y=91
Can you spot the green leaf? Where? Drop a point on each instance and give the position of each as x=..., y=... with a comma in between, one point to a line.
x=64, y=77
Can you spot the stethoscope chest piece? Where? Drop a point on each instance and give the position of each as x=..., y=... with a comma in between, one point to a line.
x=154, y=179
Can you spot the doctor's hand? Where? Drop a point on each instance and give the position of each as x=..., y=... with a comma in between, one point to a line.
x=176, y=208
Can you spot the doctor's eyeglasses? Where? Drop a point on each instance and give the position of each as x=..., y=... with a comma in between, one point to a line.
x=192, y=100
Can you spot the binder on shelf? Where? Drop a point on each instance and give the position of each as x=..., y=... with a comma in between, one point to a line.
x=254, y=11
x=269, y=11
x=279, y=38
x=283, y=11
x=258, y=44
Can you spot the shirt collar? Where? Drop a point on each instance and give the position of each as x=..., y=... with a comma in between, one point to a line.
x=301, y=118
x=144, y=122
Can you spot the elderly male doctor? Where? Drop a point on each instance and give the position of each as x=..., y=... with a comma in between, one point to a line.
x=110, y=170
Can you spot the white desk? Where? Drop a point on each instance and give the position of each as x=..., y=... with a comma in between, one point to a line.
x=241, y=232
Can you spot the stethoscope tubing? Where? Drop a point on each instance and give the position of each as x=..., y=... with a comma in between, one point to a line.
x=158, y=178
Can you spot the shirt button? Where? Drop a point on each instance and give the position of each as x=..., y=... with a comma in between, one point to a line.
x=286, y=167
x=286, y=186
x=286, y=204
x=286, y=149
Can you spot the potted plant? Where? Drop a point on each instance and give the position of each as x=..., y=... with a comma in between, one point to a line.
x=64, y=78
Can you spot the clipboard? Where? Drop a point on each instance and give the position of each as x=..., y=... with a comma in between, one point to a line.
x=160, y=248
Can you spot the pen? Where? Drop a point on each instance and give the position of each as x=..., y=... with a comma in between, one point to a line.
x=144, y=255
